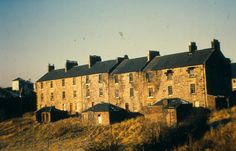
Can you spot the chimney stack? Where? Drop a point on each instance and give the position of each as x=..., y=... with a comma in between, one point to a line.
x=70, y=64
x=51, y=67
x=152, y=54
x=94, y=59
x=192, y=47
x=215, y=44
x=120, y=59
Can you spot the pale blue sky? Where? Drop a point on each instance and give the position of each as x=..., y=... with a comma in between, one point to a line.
x=34, y=33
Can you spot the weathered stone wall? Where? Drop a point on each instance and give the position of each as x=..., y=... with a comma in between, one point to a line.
x=92, y=118
x=234, y=84
x=70, y=102
x=93, y=84
x=180, y=83
x=124, y=99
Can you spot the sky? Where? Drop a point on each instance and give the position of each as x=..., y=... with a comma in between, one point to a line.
x=34, y=33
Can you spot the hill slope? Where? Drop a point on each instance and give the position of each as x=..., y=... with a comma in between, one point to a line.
x=70, y=134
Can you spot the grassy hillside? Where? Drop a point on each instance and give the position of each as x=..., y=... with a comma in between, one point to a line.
x=25, y=134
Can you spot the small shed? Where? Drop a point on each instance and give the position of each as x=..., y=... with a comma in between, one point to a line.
x=104, y=114
x=50, y=114
x=168, y=111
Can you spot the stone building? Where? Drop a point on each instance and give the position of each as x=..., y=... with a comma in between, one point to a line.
x=233, y=66
x=134, y=83
x=168, y=111
x=104, y=114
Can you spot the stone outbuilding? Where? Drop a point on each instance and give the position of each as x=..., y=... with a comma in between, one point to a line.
x=168, y=111
x=233, y=67
x=50, y=114
x=104, y=114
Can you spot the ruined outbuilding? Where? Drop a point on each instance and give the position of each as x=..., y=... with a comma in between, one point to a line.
x=104, y=114
x=168, y=111
x=50, y=114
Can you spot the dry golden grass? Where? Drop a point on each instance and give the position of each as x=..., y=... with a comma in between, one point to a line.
x=69, y=134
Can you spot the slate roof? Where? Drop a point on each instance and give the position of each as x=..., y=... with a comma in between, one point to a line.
x=102, y=67
x=131, y=65
x=233, y=67
x=18, y=79
x=171, y=102
x=99, y=67
x=61, y=73
x=104, y=107
x=179, y=60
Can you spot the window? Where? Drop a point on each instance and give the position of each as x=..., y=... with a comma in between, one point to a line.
x=131, y=92
x=169, y=74
x=71, y=107
x=63, y=107
x=63, y=95
x=42, y=97
x=76, y=107
x=170, y=90
x=117, y=93
x=116, y=79
x=51, y=97
x=100, y=78
x=192, y=88
x=63, y=82
x=131, y=78
x=234, y=81
x=191, y=72
x=149, y=77
x=87, y=79
x=127, y=106
x=74, y=94
x=87, y=91
x=74, y=81
x=100, y=92
x=41, y=85
x=51, y=84
x=150, y=92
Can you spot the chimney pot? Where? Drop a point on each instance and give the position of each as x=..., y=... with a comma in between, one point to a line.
x=51, y=67
x=215, y=44
x=192, y=47
x=70, y=64
x=152, y=54
x=93, y=60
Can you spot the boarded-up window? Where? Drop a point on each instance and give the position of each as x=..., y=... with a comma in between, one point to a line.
x=131, y=92
x=149, y=77
x=63, y=95
x=131, y=78
x=87, y=91
x=51, y=96
x=74, y=94
x=117, y=93
x=41, y=97
x=51, y=84
x=170, y=90
x=100, y=92
x=74, y=81
x=63, y=82
x=150, y=92
x=41, y=85
x=116, y=78
x=127, y=106
x=87, y=79
x=100, y=78
x=192, y=88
